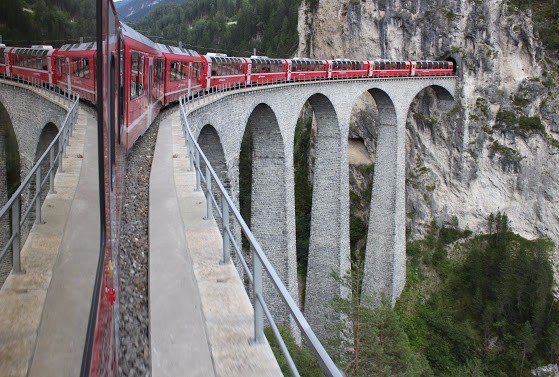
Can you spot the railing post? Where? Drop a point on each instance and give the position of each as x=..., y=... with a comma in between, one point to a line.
x=257, y=292
x=197, y=157
x=225, y=226
x=15, y=244
x=38, y=196
x=209, y=202
x=51, y=173
x=191, y=154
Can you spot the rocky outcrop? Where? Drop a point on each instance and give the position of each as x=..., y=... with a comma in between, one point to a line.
x=498, y=148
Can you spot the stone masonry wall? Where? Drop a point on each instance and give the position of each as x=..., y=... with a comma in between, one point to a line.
x=29, y=112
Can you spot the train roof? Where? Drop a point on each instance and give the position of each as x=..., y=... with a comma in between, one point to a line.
x=307, y=61
x=79, y=46
x=223, y=59
x=31, y=51
x=127, y=31
x=265, y=60
x=176, y=50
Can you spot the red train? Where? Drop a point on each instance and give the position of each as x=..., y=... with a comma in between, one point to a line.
x=154, y=75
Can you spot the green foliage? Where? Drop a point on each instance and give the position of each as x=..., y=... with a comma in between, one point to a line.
x=232, y=26
x=506, y=117
x=490, y=311
x=55, y=22
x=302, y=356
x=372, y=342
x=546, y=19
x=531, y=124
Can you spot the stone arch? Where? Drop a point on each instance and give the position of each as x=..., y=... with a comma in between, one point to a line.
x=49, y=132
x=327, y=251
x=10, y=179
x=269, y=205
x=209, y=141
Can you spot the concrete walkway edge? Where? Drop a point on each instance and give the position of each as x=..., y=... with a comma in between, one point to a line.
x=179, y=345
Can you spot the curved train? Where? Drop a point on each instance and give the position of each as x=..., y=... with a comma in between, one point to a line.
x=130, y=78
x=155, y=75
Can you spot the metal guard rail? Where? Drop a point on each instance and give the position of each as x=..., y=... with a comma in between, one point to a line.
x=14, y=203
x=259, y=259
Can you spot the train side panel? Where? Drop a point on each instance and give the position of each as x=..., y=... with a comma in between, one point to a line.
x=75, y=70
x=141, y=104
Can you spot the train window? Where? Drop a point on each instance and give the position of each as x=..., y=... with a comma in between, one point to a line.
x=60, y=66
x=429, y=65
x=136, y=75
x=178, y=71
x=1, y=55
x=80, y=67
x=382, y=65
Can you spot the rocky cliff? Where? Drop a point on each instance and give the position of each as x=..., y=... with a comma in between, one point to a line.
x=498, y=149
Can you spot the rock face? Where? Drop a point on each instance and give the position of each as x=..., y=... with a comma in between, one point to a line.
x=498, y=149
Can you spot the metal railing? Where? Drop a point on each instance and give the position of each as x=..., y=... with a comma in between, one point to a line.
x=48, y=90
x=260, y=263
x=20, y=209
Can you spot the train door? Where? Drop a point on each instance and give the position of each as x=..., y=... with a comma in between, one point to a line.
x=68, y=75
x=249, y=71
x=329, y=63
x=209, y=75
x=190, y=78
x=49, y=67
x=289, y=65
x=7, y=60
x=413, y=68
x=150, y=88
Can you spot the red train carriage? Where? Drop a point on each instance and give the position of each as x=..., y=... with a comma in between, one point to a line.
x=262, y=69
x=390, y=68
x=306, y=69
x=32, y=64
x=345, y=68
x=75, y=69
x=182, y=72
x=4, y=60
x=223, y=71
x=432, y=68
x=143, y=93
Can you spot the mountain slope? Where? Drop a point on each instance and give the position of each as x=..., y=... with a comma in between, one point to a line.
x=231, y=26
x=134, y=10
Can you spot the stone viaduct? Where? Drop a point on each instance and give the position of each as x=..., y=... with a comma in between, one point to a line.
x=272, y=115
x=34, y=120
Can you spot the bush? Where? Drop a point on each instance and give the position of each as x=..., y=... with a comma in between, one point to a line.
x=531, y=124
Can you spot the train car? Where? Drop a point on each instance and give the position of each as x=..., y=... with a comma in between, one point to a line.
x=4, y=60
x=262, y=69
x=183, y=72
x=100, y=351
x=347, y=69
x=143, y=91
x=431, y=68
x=390, y=68
x=301, y=69
x=75, y=69
x=222, y=71
x=32, y=64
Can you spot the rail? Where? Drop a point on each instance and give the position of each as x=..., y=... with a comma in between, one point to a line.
x=21, y=209
x=260, y=262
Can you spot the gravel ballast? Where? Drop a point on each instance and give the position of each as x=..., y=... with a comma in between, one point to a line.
x=134, y=347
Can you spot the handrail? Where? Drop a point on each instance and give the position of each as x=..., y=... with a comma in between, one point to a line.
x=259, y=262
x=15, y=202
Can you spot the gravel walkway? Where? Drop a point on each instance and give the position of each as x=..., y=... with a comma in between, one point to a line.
x=134, y=357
